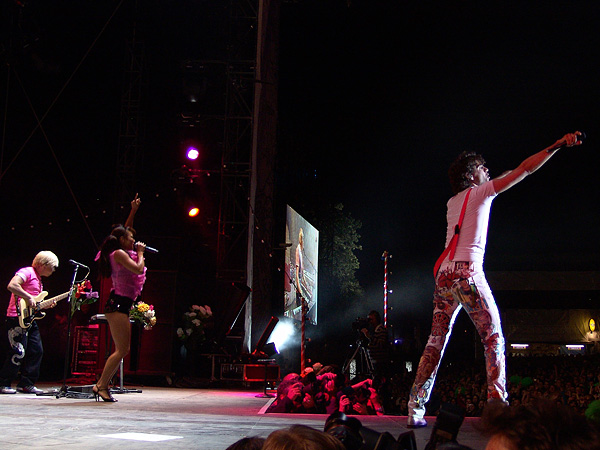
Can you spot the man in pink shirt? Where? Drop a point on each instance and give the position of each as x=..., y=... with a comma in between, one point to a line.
x=25, y=344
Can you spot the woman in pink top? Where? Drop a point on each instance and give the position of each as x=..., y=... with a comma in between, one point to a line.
x=121, y=259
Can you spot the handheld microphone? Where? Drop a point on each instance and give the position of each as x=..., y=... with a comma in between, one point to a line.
x=75, y=263
x=148, y=249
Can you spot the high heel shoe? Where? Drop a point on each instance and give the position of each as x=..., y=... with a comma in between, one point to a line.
x=98, y=394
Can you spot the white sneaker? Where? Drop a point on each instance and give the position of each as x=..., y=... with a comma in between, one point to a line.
x=414, y=422
x=29, y=390
x=7, y=390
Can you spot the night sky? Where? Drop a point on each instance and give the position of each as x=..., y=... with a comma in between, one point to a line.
x=378, y=97
x=385, y=97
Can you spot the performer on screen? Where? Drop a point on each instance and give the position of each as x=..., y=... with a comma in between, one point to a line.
x=25, y=348
x=299, y=268
x=121, y=259
x=461, y=282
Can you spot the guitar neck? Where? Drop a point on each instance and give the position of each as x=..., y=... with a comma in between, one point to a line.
x=45, y=303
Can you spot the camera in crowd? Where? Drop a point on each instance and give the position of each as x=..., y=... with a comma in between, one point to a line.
x=354, y=436
x=360, y=323
x=446, y=427
x=352, y=394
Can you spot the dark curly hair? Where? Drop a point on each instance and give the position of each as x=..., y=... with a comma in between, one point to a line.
x=461, y=168
x=110, y=244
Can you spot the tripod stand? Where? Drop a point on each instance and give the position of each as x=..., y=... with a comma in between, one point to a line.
x=362, y=360
x=266, y=363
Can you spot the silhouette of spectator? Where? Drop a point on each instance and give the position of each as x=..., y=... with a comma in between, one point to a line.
x=301, y=437
x=543, y=425
x=247, y=443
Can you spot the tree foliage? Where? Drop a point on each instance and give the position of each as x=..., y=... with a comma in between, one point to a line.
x=339, y=239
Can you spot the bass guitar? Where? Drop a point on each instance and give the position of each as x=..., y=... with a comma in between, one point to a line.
x=27, y=315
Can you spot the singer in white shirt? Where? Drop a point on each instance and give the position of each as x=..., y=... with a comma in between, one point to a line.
x=461, y=283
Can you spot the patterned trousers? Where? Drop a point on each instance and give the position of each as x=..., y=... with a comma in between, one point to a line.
x=24, y=354
x=460, y=285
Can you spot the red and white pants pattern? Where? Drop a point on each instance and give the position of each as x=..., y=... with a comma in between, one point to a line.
x=470, y=287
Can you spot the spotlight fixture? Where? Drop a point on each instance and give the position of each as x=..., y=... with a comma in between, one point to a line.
x=270, y=349
x=192, y=153
x=260, y=351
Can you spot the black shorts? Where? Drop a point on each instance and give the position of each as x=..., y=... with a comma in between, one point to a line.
x=118, y=303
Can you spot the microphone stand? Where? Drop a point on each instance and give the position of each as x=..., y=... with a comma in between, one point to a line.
x=64, y=390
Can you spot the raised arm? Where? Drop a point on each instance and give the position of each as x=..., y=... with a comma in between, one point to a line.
x=135, y=204
x=533, y=163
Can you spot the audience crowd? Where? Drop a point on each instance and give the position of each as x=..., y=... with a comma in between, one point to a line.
x=325, y=390
x=548, y=398
x=570, y=380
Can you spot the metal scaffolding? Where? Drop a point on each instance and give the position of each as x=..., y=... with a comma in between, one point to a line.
x=130, y=152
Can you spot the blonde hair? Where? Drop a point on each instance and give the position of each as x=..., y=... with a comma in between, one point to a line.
x=44, y=258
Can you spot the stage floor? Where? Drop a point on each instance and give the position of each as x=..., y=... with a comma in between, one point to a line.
x=167, y=418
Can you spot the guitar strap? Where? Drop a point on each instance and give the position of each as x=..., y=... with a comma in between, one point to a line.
x=451, y=249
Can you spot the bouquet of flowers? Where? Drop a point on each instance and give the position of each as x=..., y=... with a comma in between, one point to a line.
x=82, y=294
x=143, y=313
x=194, y=323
